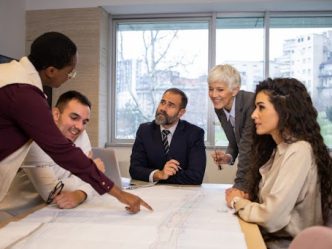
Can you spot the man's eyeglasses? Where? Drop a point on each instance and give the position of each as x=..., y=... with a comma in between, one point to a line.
x=56, y=191
x=72, y=75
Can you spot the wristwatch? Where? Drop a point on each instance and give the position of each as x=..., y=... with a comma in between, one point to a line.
x=234, y=201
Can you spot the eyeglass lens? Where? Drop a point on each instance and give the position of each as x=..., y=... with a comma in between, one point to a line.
x=72, y=74
x=57, y=190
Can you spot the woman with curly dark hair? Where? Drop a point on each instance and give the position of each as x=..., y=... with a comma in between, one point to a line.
x=291, y=169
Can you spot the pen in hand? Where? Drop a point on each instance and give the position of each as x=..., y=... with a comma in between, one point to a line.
x=219, y=164
x=177, y=164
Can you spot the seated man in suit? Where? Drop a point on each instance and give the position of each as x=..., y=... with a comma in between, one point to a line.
x=71, y=114
x=178, y=157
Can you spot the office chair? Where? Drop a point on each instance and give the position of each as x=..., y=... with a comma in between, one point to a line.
x=316, y=237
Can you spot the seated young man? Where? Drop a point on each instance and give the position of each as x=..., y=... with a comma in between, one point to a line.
x=169, y=150
x=71, y=114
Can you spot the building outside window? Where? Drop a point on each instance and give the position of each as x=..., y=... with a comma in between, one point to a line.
x=153, y=54
x=240, y=43
x=302, y=47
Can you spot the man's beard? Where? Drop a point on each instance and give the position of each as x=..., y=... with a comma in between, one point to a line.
x=162, y=118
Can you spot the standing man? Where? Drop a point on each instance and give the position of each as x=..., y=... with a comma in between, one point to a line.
x=233, y=108
x=25, y=116
x=71, y=115
x=169, y=150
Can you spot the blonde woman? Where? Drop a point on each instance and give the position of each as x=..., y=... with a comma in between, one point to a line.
x=233, y=108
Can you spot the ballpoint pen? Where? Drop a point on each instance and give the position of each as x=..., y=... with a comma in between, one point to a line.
x=219, y=164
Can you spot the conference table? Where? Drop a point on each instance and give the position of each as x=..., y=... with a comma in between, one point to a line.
x=183, y=217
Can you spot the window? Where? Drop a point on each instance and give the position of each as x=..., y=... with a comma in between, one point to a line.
x=153, y=54
x=311, y=40
x=240, y=43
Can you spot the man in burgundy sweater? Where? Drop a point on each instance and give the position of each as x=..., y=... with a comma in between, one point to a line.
x=25, y=116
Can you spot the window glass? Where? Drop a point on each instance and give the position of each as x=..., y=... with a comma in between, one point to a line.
x=301, y=47
x=240, y=43
x=152, y=57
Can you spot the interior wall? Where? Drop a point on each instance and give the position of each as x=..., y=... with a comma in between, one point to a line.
x=167, y=6
x=88, y=29
x=12, y=28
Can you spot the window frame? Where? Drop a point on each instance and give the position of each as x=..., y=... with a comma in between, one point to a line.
x=112, y=140
x=211, y=18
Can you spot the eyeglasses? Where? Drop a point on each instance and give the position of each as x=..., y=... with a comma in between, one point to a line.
x=56, y=191
x=72, y=75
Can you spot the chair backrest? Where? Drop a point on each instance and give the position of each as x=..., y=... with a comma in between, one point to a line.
x=316, y=237
x=107, y=155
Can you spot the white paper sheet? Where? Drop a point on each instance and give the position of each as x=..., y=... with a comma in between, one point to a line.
x=183, y=217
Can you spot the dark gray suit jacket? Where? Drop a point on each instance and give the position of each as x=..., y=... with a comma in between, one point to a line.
x=240, y=140
x=187, y=147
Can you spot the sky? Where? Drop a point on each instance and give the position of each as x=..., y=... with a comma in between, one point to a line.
x=231, y=45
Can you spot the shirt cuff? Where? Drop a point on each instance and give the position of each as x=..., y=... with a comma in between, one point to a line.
x=89, y=191
x=151, y=175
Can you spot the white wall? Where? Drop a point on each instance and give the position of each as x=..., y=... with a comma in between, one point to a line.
x=12, y=28
x=159, y=6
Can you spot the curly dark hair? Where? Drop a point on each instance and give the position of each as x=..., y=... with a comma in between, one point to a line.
x=297, y=121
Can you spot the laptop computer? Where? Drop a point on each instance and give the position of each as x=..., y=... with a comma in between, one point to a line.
x=112, y=170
